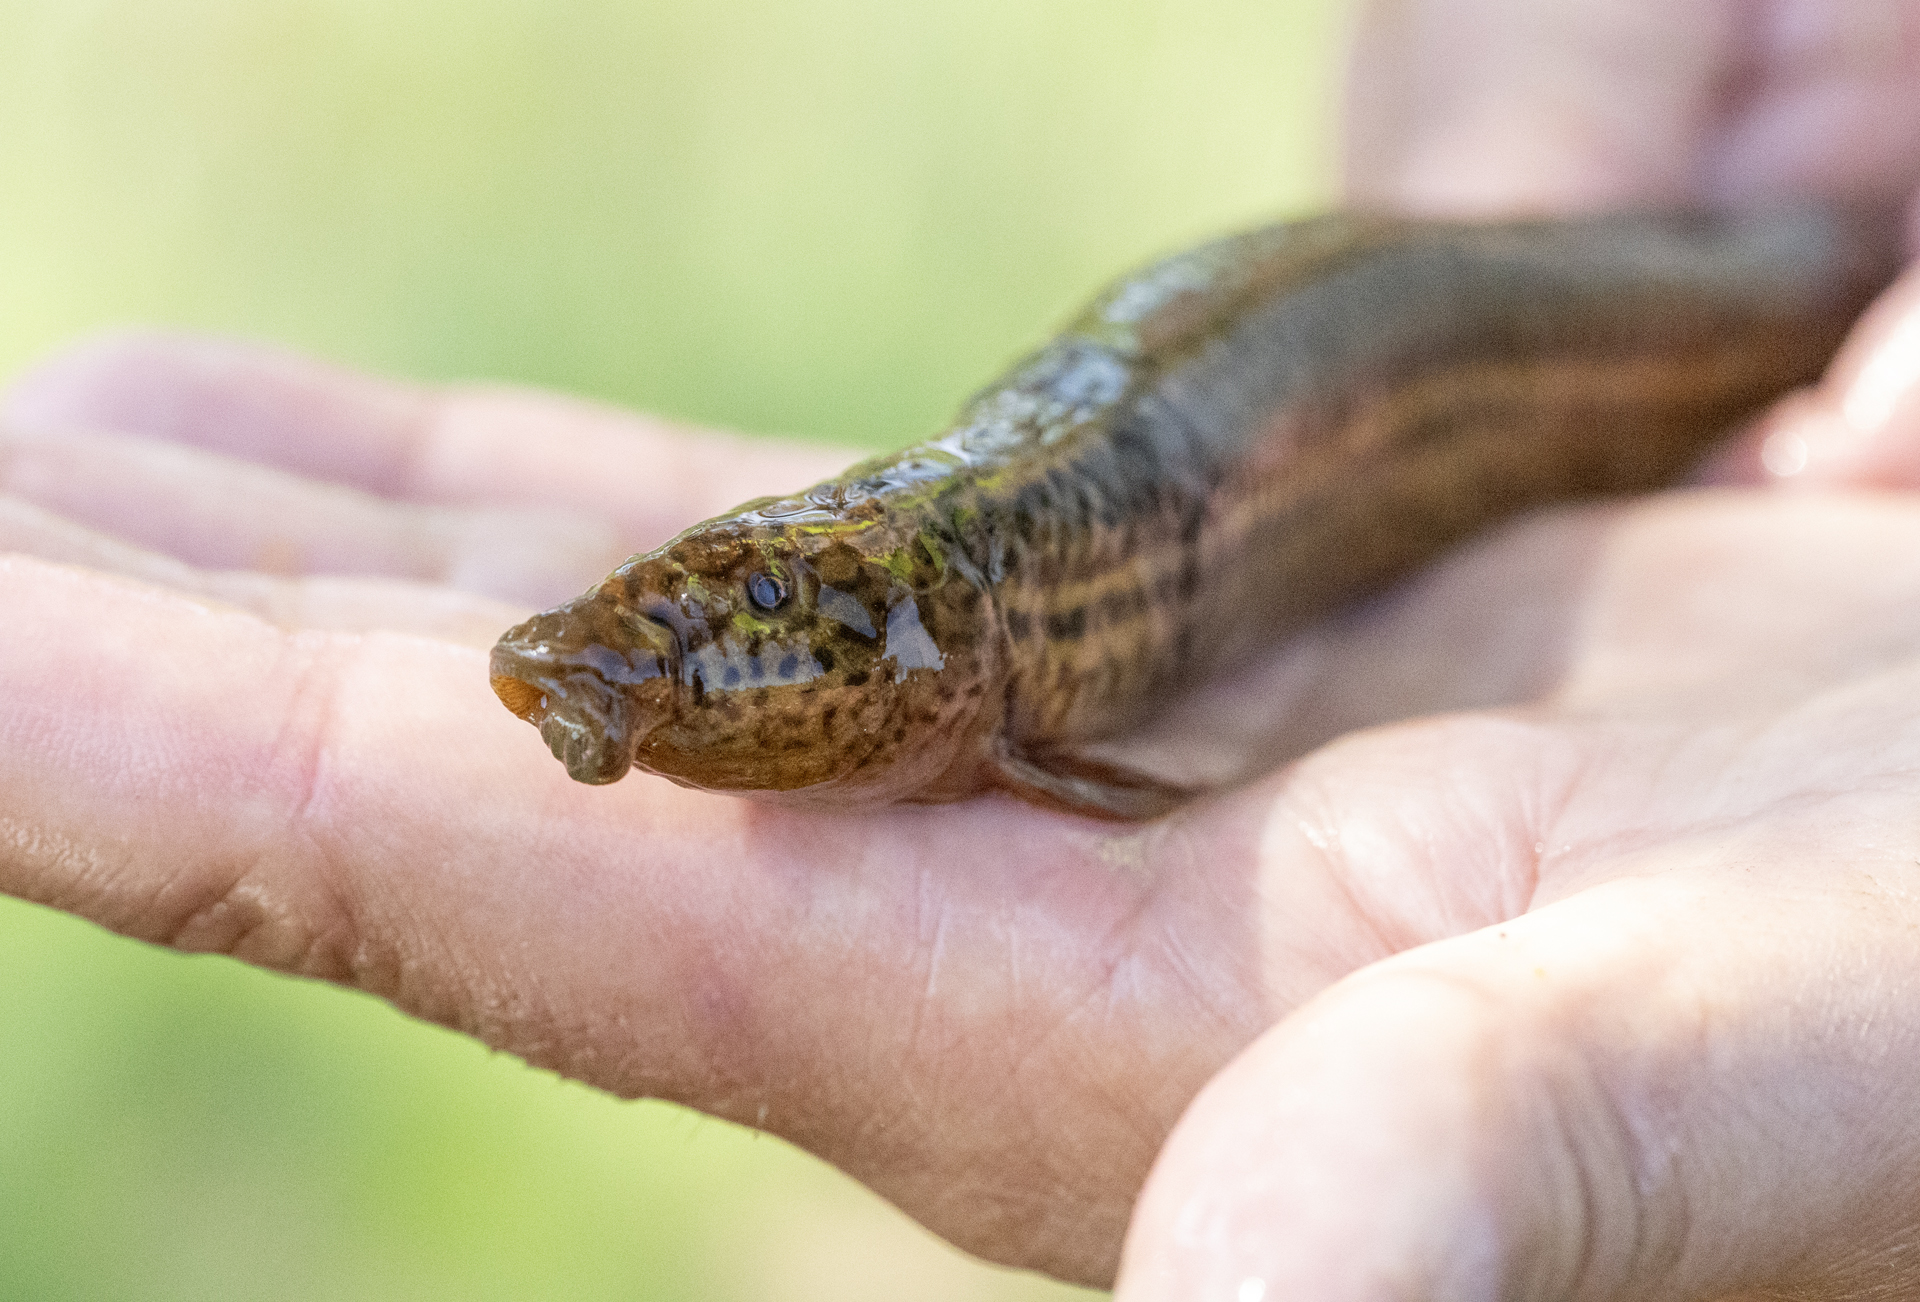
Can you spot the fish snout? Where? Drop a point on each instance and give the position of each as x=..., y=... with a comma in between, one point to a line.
x=592, y=697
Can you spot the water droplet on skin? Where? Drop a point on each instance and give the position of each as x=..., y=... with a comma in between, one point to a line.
x=1252, y=1289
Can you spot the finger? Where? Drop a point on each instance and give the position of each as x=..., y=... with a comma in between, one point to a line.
x=1860, y=426
x=216, y=513
x=1492, y=106
x=360, y=809
x=1829, y=102
x=1660, y=1088
x=1503, y=105
x=456, y=447
x=346, y=605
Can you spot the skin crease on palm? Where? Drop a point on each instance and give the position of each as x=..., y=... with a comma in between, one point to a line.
x=1595, y=975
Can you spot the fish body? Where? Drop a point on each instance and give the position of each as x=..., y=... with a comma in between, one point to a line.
x=1218, y=451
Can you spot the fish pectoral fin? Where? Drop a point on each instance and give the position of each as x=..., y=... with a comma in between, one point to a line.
x=1079, y=784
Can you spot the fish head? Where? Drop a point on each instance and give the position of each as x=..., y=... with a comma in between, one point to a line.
x=746, y=657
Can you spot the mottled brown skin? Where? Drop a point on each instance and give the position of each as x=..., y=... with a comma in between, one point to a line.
x=1220, y=450
x=865, y=680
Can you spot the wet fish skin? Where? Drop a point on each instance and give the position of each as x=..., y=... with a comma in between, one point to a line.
x=1220, y=450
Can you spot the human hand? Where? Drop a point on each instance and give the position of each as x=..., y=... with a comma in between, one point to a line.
x=320, y=781
x=1680, y=1067
x=1496, y=106
x=989, y=1013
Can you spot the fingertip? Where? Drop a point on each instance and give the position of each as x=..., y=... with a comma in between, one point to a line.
x=78, y=384
x=1860, y=427
x=1876, y=378
x=243, y=399
x=1775, y=450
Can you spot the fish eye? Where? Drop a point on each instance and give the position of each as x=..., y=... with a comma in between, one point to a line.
x=765, y=591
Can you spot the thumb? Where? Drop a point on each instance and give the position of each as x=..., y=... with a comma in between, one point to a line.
x=1636, y=1093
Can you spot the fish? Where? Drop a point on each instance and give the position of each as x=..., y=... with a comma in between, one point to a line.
x=1222, y=449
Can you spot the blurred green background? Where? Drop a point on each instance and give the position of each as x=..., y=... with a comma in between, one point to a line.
x=831, y=218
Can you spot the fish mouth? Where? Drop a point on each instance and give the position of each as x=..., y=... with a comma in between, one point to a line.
x=594, y=685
